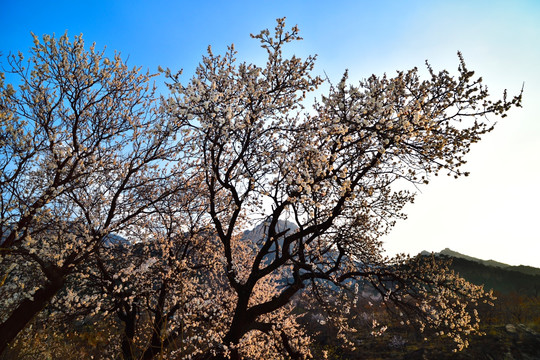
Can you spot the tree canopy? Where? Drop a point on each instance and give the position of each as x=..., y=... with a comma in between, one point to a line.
x=90, y=155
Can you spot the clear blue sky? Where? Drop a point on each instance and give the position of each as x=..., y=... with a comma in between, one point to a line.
x=492, y=214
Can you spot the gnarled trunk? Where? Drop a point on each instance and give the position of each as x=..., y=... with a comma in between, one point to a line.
x=27, y=309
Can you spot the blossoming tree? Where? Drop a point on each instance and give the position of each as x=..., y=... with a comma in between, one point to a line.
x=82, y=150
x=87, y=153
x=337, y=172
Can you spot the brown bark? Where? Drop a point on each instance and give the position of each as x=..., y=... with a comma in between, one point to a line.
x=129, y=317
x=27, y=309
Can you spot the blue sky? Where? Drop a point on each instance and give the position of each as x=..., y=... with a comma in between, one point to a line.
x=492, y=214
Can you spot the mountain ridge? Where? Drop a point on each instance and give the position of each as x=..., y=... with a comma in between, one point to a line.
x=525, y=269
x=492, y=274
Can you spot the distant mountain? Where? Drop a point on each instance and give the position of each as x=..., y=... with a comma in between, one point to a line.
x=493, y=274
x=526, y=269
x=115, y=240
x=490, y=262
x=259, y=231
x=520, y=268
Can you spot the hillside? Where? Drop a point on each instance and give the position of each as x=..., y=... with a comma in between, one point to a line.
x=511, y=326
x=494, y=275
x=451, y=253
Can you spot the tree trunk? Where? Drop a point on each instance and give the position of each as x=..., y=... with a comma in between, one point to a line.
x=237, y=329
x=26, y=311
x=129, y=333
x=239, y=324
